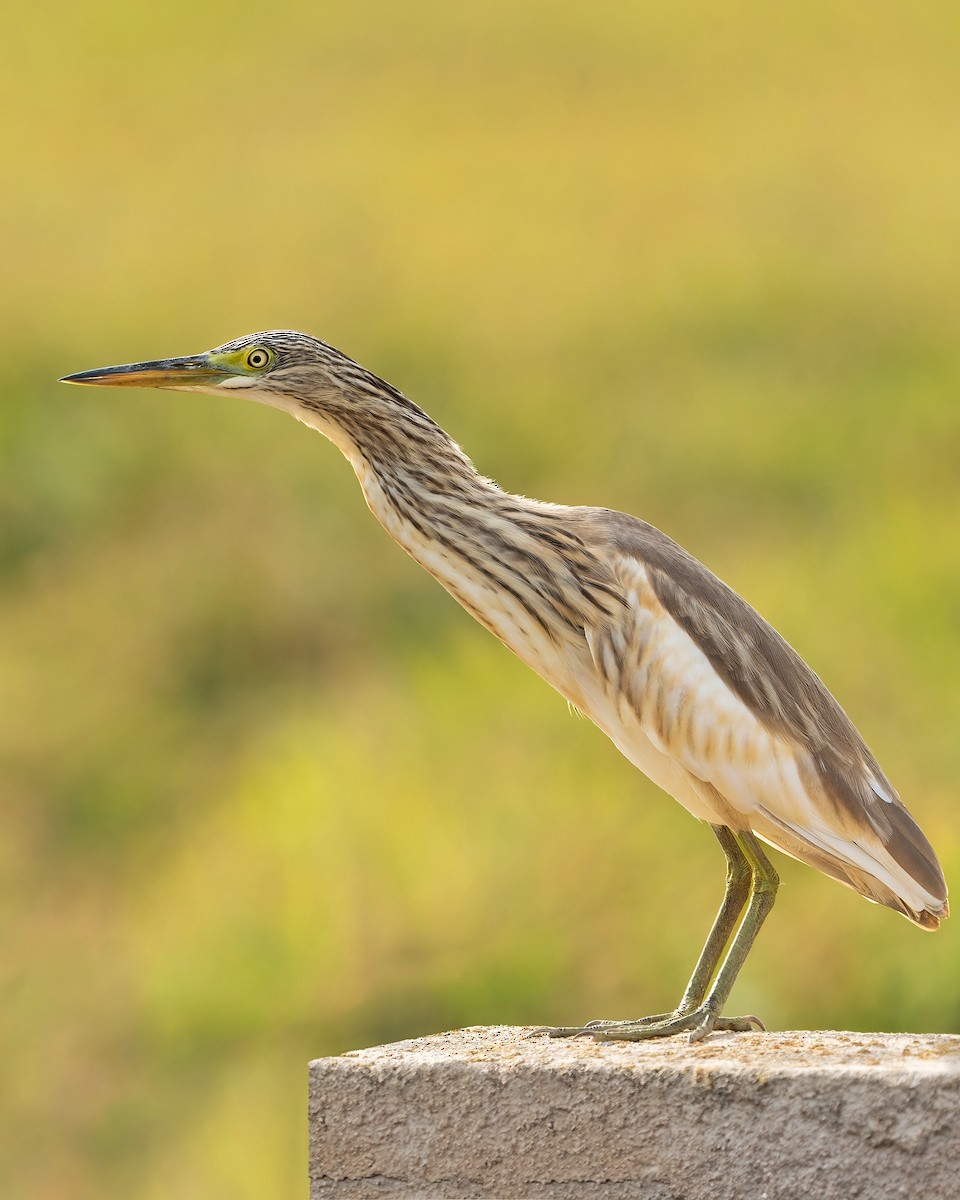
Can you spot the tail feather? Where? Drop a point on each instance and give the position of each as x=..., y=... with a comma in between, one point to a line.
x=869, y=810
x=909, y=848
x=876, y=872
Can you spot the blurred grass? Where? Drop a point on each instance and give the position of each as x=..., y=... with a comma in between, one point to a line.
x=267, y=793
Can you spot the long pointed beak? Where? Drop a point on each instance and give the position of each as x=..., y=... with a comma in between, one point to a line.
x=197, y=371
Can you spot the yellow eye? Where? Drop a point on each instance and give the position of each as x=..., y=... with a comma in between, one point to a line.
x=258, y=358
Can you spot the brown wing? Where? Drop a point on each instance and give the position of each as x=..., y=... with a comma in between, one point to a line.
x=788, y=700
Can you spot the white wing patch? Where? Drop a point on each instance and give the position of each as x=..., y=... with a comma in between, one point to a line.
x=668, y=694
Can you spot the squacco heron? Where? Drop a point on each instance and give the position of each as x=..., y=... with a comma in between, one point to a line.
x=682, y=675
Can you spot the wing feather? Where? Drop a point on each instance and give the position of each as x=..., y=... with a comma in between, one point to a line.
x=718, y=690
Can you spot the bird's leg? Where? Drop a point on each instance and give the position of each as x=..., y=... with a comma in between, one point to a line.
x=705, y=1015
x=749, y=873
x=734, y=901
x=735, y=896
x=763, y=894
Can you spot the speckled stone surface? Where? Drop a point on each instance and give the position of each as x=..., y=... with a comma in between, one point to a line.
x=498, y=1113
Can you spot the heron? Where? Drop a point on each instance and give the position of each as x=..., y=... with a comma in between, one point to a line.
x=687, y=680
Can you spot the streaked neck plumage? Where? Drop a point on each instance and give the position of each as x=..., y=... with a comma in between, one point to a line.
x=519, y=566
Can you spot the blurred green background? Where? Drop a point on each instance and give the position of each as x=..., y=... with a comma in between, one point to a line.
x=267, y=793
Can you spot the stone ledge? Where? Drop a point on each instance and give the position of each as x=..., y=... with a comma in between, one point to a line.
x=758, y=1116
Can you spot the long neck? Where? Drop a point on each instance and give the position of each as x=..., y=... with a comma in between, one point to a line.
x=520, y=567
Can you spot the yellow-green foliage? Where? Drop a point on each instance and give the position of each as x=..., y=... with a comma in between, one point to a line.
x=267, y=793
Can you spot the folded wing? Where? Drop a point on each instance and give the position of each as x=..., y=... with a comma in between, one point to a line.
x=715, y=688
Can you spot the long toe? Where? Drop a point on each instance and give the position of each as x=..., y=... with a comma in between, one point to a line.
x=558, y=1031
x=591, y=1025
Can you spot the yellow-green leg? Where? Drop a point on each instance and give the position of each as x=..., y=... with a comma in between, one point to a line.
x=752, y=883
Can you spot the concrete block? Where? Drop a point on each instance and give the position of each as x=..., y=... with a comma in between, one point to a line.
x=752, y=1116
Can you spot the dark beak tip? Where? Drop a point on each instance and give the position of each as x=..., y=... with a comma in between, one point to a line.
x=82, y=377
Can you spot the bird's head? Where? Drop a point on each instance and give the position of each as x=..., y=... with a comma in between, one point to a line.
x=300, y=375
x=279, y=367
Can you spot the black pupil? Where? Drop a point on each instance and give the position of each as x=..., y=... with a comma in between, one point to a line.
x=257, y=358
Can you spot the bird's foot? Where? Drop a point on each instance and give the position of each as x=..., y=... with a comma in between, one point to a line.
x=696, y=1023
